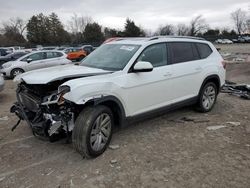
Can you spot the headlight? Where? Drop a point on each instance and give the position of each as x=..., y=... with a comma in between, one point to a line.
x=62, y=90
x=6, y=65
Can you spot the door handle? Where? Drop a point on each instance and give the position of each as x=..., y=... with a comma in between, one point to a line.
x=168, y=74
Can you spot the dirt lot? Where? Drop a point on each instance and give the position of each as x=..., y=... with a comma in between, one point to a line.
x=160, y=152
x=234, y=48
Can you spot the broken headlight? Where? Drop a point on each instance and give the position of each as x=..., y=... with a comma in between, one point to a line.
x=62, y=90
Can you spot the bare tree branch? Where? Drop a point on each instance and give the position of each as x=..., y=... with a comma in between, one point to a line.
x=239, y=18
x=77, y=23
x=197, y=25
x=167, y=29
x=182, y=30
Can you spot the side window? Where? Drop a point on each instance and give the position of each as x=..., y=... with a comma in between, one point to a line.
x=50, y=55
x=35, y=57
x=204, y=50
x=155, y=54
x=182, y=52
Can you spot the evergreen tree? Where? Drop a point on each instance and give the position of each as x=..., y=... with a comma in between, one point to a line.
x=93, y=33
x=46, y=30
x=131, y=30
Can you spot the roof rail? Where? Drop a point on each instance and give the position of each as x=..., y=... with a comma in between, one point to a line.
x=172, y=36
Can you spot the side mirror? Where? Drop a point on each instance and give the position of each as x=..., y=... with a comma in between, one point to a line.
x=29, y=60
x=143, y=66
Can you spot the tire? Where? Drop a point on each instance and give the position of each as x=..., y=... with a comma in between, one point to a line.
x=207, y=97
x=88, y=138
x=16, y=72
x=80, y=58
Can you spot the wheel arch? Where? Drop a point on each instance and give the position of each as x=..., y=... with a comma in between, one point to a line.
x=15, y=68
x=211, y=78
x=114, y=104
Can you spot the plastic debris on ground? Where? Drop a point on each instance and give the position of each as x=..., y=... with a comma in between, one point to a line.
x=213, y=128
x=5, y=118
x=240, y=90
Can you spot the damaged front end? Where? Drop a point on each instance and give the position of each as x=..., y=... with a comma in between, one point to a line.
x=44, y=109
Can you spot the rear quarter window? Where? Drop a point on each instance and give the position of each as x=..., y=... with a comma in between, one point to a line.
x=58, y=54
x=204, y=50
x=182, y=52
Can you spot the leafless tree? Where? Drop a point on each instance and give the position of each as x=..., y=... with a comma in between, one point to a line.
x=248, y=25
x=167, y=29
x=15, y=25
x=77, y=23
x=239, y=18
x=182, y=30
x=197, y=25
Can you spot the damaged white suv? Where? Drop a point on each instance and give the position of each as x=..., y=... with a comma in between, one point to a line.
x=120, y=81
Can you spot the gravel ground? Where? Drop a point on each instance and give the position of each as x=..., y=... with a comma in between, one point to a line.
x=161, y=152
x=234, y=48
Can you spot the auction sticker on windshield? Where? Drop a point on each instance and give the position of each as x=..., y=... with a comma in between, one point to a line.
x=128, y=48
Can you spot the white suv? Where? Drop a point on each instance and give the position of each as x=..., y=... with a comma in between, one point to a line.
x=120, y=81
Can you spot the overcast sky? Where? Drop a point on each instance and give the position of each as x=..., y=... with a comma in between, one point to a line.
x=113, y=13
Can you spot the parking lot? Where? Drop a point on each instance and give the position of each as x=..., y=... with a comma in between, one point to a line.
x=179, y=149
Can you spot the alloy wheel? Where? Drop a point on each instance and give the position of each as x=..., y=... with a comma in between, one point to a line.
x=101, y=131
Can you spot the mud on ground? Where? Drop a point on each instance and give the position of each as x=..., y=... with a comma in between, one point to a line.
x=165, y=151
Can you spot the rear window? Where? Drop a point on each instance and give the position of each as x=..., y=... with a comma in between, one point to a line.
x=182, y=52
x=204, y=50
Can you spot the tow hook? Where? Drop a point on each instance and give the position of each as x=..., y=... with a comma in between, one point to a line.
x=15, y=126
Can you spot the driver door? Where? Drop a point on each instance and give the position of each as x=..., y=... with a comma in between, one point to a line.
x=37, y=61
x=146, y=91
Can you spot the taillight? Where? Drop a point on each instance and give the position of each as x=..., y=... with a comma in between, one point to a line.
x=224, y=64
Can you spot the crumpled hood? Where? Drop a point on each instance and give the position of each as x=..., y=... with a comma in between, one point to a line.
x=46, y=75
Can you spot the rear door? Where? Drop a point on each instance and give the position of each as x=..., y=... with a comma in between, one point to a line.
x=54, y=59
x=187, y=70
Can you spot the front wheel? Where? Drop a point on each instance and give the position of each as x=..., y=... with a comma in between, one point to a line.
x=93, y=131
x=207, y=97
x=16, y=72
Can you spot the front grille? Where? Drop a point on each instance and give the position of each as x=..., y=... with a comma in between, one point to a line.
x=29, y=101
x=28, y=98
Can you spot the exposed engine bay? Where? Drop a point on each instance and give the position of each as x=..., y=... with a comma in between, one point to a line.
x=44, y=109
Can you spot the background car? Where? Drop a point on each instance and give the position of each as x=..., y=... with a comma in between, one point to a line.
x=1, y=82
x=34, y=60
x=69, y=49
x=77, y=54
x=224, y=41
x=88, y=48
x=3, y=52
x=49, y=48
x=14, y=49
x=11, y=57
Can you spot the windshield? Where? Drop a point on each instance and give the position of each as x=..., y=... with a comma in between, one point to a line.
x=112, y=57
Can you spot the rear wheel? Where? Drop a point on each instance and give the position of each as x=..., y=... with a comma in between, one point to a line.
x=93, y=131
x=16, y=72
x=207, y=97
